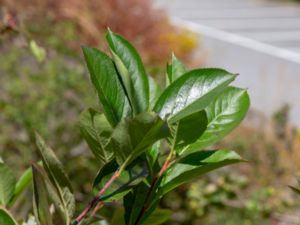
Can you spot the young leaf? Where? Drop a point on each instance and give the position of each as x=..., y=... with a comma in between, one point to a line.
x=224, y=114
x=131, y=70
x=96, y=130
x=41, y=206
x=153, y=154
x=135, y=135
x=188, y=130
x=155, y=91
x=6, y=218
x=175, y=70
x=58, y=178
x=109, y=88
x=7, y=184
x=191, y=93
x=195, y=165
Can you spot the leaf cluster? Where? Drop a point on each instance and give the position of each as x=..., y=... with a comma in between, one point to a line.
x=196, y=109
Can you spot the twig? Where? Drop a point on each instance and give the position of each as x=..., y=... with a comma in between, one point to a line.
x=165, y=166
x=98, y=206
x=95, y=200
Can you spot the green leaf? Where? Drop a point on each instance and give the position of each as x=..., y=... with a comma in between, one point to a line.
x=96, y=130
x=155, y=91
x=131, y=70
x=58, y=179
x=6, y=218
x=153, y=154
x=41, y=205
x=188, y=130
x=195, y=165
x=224, y=114
x=192, y=92
x=159, y=216
x=134, y=202
x=7, y=184
x=175, y=70
x=133, y=136
x=23, y=182
x=131, y=176
x=109, y=88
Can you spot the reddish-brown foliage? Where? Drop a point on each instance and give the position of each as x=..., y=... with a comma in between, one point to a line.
x=147, y=27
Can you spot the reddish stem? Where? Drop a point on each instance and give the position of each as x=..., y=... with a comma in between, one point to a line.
x=95, y=200
x=165, y=166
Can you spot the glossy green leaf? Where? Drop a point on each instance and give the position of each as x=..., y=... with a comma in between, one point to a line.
x=58, y=178
x=109, y=88
x=6, y=218
x=195, y=165
x=188, y=130
x=175, y=70
x=155, y=91
x=41, y=204
x=7, y=184
x=133, y=136
x=131, y=70
x=224, y=114
x=96, y=130
x=159, y=216
x=192, y=92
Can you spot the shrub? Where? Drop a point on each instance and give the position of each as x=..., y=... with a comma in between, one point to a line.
x=147, y=142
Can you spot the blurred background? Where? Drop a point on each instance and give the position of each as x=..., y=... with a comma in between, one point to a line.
x=44, y=85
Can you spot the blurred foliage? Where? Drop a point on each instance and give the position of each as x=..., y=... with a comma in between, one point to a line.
x=68, y=24
x=46, y=97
